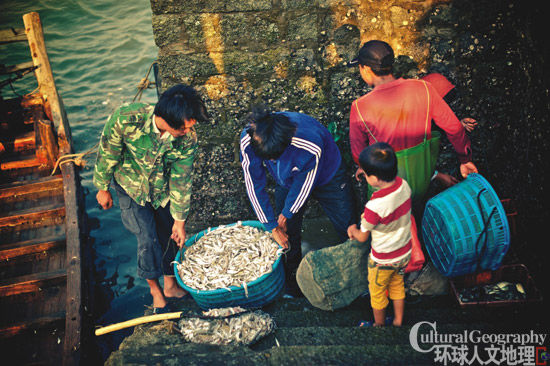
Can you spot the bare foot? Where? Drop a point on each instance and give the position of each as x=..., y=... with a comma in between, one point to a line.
x=172, y=289
x=156, y=292
x=176, y=292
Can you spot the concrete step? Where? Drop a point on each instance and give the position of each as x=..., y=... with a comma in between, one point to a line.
x=384, y=354
x=442, y=309
x=356, y=336
x=350, y=318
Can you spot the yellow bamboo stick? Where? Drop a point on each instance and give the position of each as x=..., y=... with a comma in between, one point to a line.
x=136, y=321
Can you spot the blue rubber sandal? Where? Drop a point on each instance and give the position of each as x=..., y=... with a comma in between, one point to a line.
x=166, y=309
x=370, y=323
x=163, y=310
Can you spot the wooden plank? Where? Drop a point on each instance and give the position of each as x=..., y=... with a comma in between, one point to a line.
x=31, y=216
x=29, y=231
x=26, y=142
x=13, y=250
x=31, y=173
x=24, y=188
x=20, y=162
x=32, y=282
x=16, y=68
x=75, y=228
x=46, y=82
x=12, y=35
x=54, y=321
x=20, y=145
x=15, y=184
x=47, y=141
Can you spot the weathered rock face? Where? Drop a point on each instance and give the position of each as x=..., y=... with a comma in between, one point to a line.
x=291, y=55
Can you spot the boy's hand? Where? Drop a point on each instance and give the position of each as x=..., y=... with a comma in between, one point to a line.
x=104, y=199
x=354, y=233
x=351, y=231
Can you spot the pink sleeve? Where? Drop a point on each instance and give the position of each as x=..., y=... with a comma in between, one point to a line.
x=444, y=117
x=357, y=137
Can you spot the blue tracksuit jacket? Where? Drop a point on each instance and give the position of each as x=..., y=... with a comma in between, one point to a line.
x=310, y=161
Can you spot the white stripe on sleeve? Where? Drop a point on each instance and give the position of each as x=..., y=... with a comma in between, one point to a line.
x=245, y=141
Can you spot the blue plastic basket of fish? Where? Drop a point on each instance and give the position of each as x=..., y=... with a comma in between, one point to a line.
x=231, y=265
x=465, y=228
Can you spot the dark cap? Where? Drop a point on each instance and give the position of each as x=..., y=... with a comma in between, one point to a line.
x=376, y=54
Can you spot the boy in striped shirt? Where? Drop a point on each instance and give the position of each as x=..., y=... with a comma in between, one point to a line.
x=387, y=216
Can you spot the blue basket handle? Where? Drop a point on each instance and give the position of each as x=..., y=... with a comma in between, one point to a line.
x=485, y=226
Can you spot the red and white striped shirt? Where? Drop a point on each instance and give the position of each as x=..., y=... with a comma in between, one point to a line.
x=387, y=216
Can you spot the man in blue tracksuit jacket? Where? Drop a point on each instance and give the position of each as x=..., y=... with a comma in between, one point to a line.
x=304, y=160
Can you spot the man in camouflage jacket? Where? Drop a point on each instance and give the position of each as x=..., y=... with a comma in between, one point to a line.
x=149, y=151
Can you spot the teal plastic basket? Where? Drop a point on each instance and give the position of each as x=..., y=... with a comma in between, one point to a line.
x=465, y=228
x=258, y=293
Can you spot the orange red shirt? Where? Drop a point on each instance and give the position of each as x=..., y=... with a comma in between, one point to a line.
x=399, y=113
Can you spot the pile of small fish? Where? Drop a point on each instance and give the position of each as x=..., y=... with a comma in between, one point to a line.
x=228, y=256
x=236, y=326
x=493, y=292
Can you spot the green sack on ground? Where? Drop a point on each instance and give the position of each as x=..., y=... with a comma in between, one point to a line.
x=331, y=278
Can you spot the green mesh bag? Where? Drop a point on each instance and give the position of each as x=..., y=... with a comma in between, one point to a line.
x=332, y=277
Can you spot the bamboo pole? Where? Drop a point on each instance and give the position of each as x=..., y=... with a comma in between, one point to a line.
x=137, y=321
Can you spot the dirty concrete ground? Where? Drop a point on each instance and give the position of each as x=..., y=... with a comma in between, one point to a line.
x=309, y=336
x=305, y=335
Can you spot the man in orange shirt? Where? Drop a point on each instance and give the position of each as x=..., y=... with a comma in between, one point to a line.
x=398, y=111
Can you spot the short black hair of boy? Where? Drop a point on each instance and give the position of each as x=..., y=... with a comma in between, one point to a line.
x=270, y=133
x=379, y=160
x=180, y=103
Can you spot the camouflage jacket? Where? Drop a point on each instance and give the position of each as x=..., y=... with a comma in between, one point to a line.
x=148, y=168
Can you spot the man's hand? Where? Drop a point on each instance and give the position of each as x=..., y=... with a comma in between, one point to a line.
x=281, y=222
x=467, y=168
x=104, y=199
x=468, y=123
x=178, y=233
x=280, y=236
x=446, y=179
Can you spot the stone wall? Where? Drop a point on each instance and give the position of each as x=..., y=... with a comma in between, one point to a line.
x=291, y=55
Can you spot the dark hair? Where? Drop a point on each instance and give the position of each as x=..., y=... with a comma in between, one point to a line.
x=270, y=133
x=180, y=103
x=379, y=160
x=378, y=55
x=382, y=72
